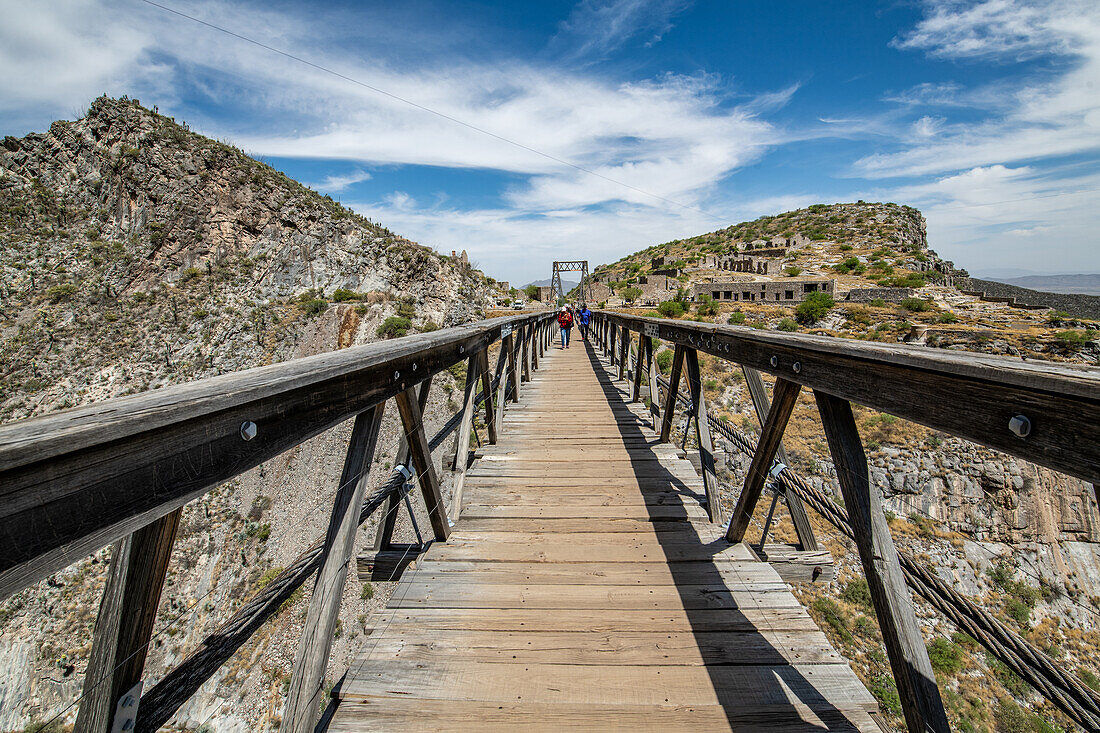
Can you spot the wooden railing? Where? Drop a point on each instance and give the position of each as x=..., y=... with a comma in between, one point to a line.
x=1045, y=413
x=120, y=471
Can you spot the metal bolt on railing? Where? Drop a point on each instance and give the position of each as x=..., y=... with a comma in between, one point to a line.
x=248, y=430
x=1020, y=425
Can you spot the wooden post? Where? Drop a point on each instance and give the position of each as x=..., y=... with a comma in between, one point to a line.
x=502, y=385
x=125, y=622
x=462, y=437
x=759, y=394
x=638, y=367
x=624, y=350
x=307, y=682
x=524, y=357
x=384, y=534
x=786, y=394
x=654, y=389
x=612, y=331
x=673, y=388
x=920, y=697
x=509, y=343
x=421, y=456
x=534, y=347
x=702, y=435
x=487, y=390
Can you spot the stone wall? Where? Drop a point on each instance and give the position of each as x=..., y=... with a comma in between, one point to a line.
x=1082, y=306
x=773, y=291
x=890, y=295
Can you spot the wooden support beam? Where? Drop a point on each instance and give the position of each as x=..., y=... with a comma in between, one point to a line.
x=624, y=350
x=487, y=390
x=509, y=344
x=421, y=456
x=654, y=389
x=386, y=523
x=307, y=681
x=670, y=398
x=762, y=404
x=612, y=332
x=124, y=626
x=524, y=358
x=639, y=365
x=502, y=385
x=786, y=394
x=462, y=437
x=702, y=434
x=920, y=697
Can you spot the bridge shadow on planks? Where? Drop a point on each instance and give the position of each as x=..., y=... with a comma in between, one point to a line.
x=754, y=680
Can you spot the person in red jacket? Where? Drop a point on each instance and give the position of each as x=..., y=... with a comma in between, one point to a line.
x=565, y=321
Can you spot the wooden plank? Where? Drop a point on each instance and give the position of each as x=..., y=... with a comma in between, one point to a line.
x=610, y=552
x=738, y=575
x=673, y=388
x=584, y=511
x=307, y=680
x=818, y=685
x=786, y=395
x=798, y=566
x=509, y=345
x=639, y=365
x=421, y=456
x=623, y=649
x=920, y=697
x=762, y=405
x=400, y=715
x=672, y=620
x=124, y=625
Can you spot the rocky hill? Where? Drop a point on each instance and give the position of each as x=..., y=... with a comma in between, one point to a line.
x=138, y=254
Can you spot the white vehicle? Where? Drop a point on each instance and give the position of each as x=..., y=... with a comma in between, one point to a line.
x=518, y=305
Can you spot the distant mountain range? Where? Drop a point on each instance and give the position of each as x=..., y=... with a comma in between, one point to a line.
x=566, y=285
x=1083, y=284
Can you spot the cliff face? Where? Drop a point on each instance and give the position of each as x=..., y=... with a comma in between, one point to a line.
x=137, y=254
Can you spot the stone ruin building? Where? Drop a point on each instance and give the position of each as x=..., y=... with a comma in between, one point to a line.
x=750, y=264
x=777, y=291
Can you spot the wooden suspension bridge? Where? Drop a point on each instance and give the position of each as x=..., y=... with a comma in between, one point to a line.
x=583, y=574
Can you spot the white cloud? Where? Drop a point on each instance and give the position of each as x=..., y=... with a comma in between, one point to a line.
x=338, y=183
x=1027, y=118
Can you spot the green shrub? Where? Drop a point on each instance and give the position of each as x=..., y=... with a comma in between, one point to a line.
x=834, y=615
x=737, y=318
x=885, y=690
x=814, y=307
x=710, y=384
x=313, y=306
x=58, y=293
x=671, y=309
x=877, y=303
x=947, y=317
x=190, y=274
x=406, y=308
x=1089, y=678
x=707, y=306
x=1069, y=339
x=912, y=280
x=394, y=326
x=367, y=593
x=664, y=361
x=945, y=656
x=1056, y=317
x=630, y=294
x=847, y=265
x=531, y=291
x=845, y=248
x=787, y=325
x=342, y=295
x=428, y=327
x=792, y=271
x=916, y=305
x=858, y=593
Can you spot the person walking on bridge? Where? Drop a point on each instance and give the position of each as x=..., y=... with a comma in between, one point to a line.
x=584, y=316
x=565, y=322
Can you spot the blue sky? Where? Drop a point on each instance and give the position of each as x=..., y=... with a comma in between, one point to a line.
x=686, y=116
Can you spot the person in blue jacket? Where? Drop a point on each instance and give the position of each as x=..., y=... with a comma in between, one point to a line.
x=584, y=316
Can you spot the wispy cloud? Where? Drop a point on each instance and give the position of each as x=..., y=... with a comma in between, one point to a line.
x=598, y=27
x=339, y=183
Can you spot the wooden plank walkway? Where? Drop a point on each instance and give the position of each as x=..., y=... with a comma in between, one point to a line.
x=583, y=587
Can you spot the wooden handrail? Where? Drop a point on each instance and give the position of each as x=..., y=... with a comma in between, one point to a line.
x=973, y=396
x=74, y=481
